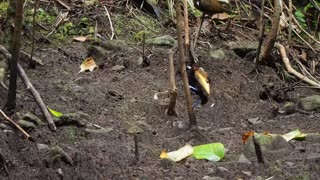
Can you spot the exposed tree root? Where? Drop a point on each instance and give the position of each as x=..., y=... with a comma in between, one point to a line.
x=289, y=68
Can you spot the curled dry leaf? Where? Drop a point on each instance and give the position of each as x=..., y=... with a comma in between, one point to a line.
x=303, y=56
x=88, y=64
x=80, y=38
x=179, y=154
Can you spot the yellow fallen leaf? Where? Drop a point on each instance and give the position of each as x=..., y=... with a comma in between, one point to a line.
x=88, y=64
x=80, y=38
x=179, y=154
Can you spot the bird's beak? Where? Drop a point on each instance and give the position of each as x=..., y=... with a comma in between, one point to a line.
x=203, y=81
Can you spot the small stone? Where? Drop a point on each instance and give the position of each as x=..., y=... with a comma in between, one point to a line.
x=140, y=61
x=98, y=131
x=179, y=178
x=42, y=146
x=290, y=163
x=310, y=103
x=248, y=173
x=288, y=108
x=165, y=40
x=254, y=120
x=243, y=159
x=223, y=169
x=60, y=172
x=179, y=124
x=133, y=100
x=217, y=54
x=26, y=124
x=212, y=178
x=32, y=118
x=3, y=126
x=118, y=68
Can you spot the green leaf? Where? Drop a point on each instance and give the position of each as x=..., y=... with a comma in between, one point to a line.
x=211, y=152
x=293, y=134
x=55, y=113
x=300, y=16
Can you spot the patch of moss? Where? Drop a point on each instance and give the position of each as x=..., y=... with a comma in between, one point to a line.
x=133, y=29
x=42, y=17
x=3, y=8
x=69, y=29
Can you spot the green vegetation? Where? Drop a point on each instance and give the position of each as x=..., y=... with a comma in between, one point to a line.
x=133, y=29
x=83, y=27
x=42, y=17
x=3, y=8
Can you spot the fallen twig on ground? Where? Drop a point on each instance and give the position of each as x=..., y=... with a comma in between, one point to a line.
x=16, y=125
x=37, y=60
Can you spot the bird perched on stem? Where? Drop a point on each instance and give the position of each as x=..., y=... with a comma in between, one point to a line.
x=199, y=84
x=210, y=7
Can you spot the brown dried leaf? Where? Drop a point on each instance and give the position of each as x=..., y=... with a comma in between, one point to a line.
x=88, y=64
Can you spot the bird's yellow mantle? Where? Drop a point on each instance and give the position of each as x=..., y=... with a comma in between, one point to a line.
x=202, y=78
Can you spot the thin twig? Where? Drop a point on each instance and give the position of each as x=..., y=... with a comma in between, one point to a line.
x=290, y=21
x=262, y=27
x=136, y=146
x=63, y=4
x=110, y=22
x=32, y=64
x=35, y=59
x=16, y=125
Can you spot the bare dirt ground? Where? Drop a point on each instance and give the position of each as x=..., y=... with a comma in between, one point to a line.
x=122, y=100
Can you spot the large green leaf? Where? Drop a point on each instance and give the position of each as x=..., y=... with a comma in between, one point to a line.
x=211, y=152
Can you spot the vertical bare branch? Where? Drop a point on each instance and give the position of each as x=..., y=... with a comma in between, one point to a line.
x=15, y=51
x=272, y=36
x=192, y=117
x=290, y=21
x=171, y=109
x=262, y=26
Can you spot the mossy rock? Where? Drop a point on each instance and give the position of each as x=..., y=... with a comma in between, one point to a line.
x=310, y=103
